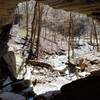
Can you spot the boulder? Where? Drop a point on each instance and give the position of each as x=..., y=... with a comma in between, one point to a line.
x=83, y=89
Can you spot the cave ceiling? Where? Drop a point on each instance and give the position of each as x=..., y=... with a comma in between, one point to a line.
x=89, y=7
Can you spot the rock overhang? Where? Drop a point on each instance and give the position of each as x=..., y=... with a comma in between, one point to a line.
x=89, y=7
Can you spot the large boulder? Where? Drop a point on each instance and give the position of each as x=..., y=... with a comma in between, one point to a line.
x=82, y=89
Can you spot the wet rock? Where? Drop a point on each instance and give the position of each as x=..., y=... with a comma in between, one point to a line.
x=7, y=88
x=28, y=93
x=21, y=85
x=11, y=96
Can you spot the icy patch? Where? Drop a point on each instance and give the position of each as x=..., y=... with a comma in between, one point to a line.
x=54, y=85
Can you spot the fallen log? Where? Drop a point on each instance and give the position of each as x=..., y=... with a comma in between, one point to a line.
x=46, y=52
x=96, y=61
x=40, y=64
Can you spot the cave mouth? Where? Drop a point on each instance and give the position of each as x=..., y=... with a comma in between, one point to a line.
x=55, y=50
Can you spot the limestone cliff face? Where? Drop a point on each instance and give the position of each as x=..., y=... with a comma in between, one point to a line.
x=89, y=7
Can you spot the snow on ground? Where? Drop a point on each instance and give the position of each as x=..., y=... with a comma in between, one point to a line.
x=57, y=81
x=54, y=85
x=49, y=81
x=58, y=63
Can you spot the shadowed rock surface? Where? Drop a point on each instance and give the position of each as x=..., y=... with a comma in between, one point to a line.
x=89, y=7
x=83, y=89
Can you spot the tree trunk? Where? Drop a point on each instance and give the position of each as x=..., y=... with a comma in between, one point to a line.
x=95, y=35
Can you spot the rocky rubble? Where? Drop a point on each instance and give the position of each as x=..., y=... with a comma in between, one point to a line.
x=16, y=90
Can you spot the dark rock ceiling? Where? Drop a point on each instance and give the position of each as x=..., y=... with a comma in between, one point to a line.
x=89, y=7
